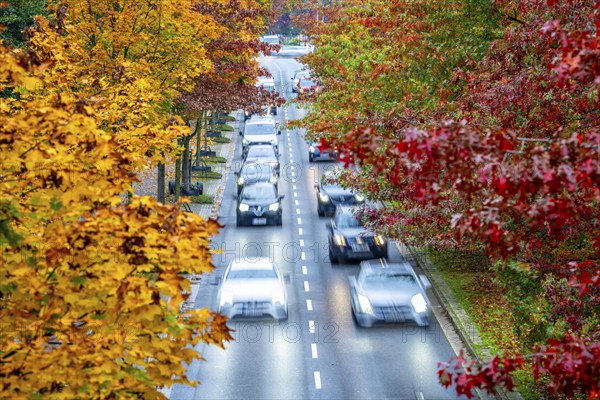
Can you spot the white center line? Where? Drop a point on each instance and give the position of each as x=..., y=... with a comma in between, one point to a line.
x=317, y=380
x=304, y=270
x=420, y=396
x=306, y=287
x=294, y=187
x=311, y=326
x=300, y=231
x=297, y=211
x=301, y=243
x=299, y=221
x=296, y=201
x=303, y=256
x=313, y=350
x=309, y=305
x=295, y=194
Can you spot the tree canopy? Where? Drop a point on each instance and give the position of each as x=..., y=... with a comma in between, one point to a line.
x=476, y=124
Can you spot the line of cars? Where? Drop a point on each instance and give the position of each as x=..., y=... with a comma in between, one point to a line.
x=380, y=292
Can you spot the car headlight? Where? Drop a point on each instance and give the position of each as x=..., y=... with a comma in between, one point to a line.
x=244, y=207
x=365, y=304
x=339, y=240
x=274, y=207
x=273, y=179
x=226, y=298
x=379, y=240
x=359, y=198
x=278, y=297
x=418, y=302
x=323, y=198
x=311, y=149
x=240, y=181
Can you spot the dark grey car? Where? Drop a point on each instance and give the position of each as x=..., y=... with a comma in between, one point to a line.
x=349, y=239
x=330, y=195
x=259, y=204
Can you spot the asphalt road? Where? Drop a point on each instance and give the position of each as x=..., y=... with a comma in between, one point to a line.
x=318, y=353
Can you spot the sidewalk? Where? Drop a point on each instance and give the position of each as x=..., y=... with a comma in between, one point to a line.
x=213, y=187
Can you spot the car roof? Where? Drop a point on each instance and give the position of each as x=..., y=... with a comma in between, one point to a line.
x=346, y=209
x=381, y=265
x=252, y=263
x=261, y=120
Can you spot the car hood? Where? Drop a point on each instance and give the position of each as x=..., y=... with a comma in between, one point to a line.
x=270, y=138
x=337, y=191
x=263, y=203
x=354, y=232
x=390, y=295
x=252, y=289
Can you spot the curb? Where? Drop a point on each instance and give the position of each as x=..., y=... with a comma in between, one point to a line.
x=466, y=330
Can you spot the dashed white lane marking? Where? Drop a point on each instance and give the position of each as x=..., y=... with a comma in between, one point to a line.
x=297, y=211
x=311, y=326
x=309, y=305
x=313, y=350
x=306, y=287
x=294, y=187
x=304, y=270
x=300, y=231
x=295, y=194
x=297, y=203
x=317, y=380
x=420, y=396
x=301, y=243
x=303, y=255
x=299, y=221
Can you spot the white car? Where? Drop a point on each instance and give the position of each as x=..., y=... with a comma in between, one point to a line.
x=260, y=130
x=253, y=288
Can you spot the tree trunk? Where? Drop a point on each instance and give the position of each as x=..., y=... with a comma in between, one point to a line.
x=186, y=170
x=199, y=126
x=160, y=184
x=177, y=178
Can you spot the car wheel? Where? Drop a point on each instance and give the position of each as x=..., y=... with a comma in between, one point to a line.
x=311, y=158
x=279, y=221
x=334, y=259
x=239, y=221
x=320, y=212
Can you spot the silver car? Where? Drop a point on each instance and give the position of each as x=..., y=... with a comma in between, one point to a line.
x=383, y=292
x=253, y=288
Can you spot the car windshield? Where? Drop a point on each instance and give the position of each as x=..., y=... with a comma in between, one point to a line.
x=259, y=129
x=259, y=193
x=307, y=82
x=251, y=274
x=388, y=278
x=260, y=152
x=347, y=220
x=268, y=88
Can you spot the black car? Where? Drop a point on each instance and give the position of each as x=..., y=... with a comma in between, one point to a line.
x=315, y=154
x=264, y=154
x=253, y=172
x=330, y=195
x=348, y=238
x=259, y=204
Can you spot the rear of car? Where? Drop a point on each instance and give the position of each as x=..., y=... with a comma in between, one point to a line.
x=315, y=153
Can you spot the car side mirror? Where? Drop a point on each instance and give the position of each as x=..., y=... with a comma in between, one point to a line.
x=282, y=197
x=279, y=132
x=241, y=133
x=425, y=281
